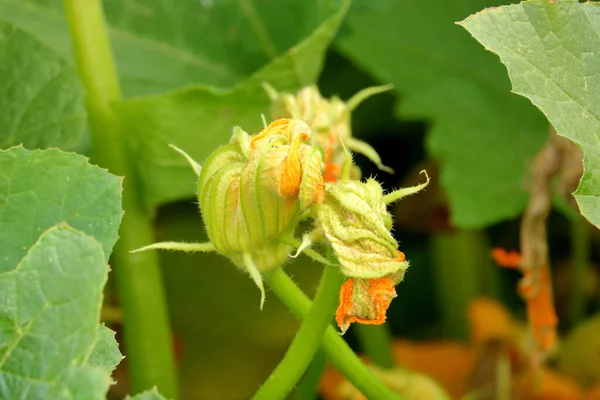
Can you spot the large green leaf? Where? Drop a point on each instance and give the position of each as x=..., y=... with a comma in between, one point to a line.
x=199, y=119
x=552, y=52
x=482, y=134
x=49, y=319
x=160, y=45
x=106, y=354
x=42, y=101
x=42, y=188
x=52, y=276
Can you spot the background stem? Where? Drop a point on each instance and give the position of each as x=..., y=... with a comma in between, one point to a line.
x=463, y=270
x=580, y=247
x=376, y=343
x=335, y=347
x=307, y=339
x=138, y=279
x=309, y=384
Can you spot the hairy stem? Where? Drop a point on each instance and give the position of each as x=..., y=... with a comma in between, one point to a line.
x=376, y=343
x=309, y=384
x=335, y=347
x=138, y=279
x=307, y=339
x=580, y=247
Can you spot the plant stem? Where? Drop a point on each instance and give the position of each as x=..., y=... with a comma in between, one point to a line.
x=376, y=343
x=307, y=339
x=580, y=247
x=309, y=384
x=335, y=347
x=464, y=270
x=138, y=279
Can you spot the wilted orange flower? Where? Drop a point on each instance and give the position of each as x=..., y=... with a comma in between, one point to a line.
x=536, y=290
x=366, y=300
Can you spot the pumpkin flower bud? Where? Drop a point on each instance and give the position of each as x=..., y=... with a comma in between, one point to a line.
x=354, y=219
x=330, y=122
x=254, y=190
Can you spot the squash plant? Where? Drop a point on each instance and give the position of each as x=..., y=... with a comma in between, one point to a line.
x=151, y=92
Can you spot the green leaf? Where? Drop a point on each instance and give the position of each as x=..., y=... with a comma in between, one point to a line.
x=151, y=394
x=106, y=354
x=161, y=45
x=42, y=188
x=482, y=135
x=199, y=119
x=552, y=52
x=42, y=101
x=49, y=319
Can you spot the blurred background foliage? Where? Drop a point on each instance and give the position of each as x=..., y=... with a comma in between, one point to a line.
x=191, y=69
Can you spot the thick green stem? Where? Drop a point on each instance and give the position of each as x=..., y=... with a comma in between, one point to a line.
x=335, y=347
x=464, y=269
x=307, y=340
x=147, y=334
x=376, y=343
x=580, y=246
x=309, y=384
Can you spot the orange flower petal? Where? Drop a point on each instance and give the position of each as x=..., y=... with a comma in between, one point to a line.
x=400, y=257
x=364, y=301
x=506, y=258
x=332, y=172
x=319, y=195
x=275, y=127
x=291, y=172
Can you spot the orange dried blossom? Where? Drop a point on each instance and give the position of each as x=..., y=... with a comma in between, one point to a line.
x=536, y=290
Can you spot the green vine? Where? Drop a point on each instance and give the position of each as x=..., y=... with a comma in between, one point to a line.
x=307, y=340
x=337, y=350
x=146, y=322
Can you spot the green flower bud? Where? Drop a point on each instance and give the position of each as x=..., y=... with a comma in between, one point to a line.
x=355, y=221
x=329, y=120
x=253, y=192
x=255, y=189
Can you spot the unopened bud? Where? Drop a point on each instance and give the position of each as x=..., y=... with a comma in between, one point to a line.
x=329, y=120
x=253, y=189
x=355, y=221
